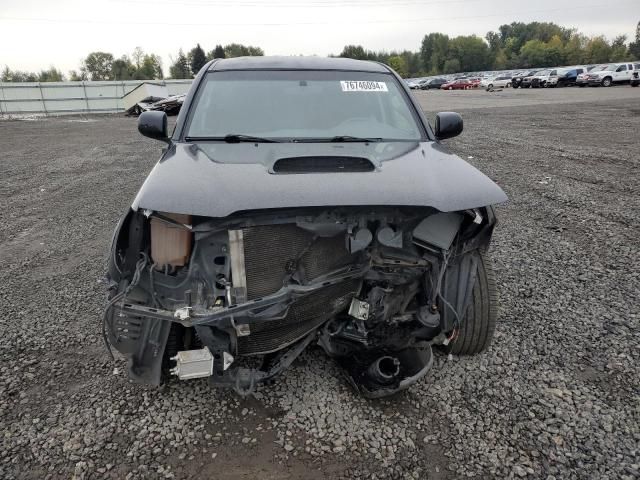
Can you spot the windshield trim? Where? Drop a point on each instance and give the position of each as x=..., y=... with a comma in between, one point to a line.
x=418, y=116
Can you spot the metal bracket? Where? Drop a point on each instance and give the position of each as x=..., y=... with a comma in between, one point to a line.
x=183, y=313
x=359, y=309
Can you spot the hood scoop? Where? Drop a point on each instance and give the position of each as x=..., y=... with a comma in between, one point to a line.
x=323, y=164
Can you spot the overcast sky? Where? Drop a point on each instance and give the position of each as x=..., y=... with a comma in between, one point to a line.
x=38, y=33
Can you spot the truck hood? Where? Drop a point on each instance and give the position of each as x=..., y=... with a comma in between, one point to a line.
x=218, y=179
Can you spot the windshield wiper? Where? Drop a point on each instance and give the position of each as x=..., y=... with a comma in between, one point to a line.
x=233, y=138
x=338, y=139
x=349, y=138
x=238, y=137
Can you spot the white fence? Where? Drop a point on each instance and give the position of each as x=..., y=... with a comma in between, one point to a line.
x=73, y=97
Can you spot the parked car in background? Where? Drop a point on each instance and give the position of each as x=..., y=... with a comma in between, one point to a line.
x=613, y=73
x=567, y=76
x=516, y=81
x=582, y=80
x=540, y=79
x=433, y=83
x=502, y=81
x=421, y=83
x=527, y=81
x=475, y=81
x=551, y=78
x=462, y=84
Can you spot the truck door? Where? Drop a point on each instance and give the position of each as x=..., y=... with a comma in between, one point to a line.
x=620, y=75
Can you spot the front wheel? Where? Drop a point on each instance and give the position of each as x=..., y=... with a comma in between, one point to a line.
x=508, y=85
x=478, y=325
x=606, y=82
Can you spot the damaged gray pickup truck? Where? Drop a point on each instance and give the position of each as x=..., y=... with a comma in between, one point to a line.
x=302, y=201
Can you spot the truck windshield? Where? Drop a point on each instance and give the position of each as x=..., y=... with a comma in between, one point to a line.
x=302, y=106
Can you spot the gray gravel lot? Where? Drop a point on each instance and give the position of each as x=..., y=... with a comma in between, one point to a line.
x=556, y=396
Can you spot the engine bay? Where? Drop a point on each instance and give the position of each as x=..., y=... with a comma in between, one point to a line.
x=237, y=299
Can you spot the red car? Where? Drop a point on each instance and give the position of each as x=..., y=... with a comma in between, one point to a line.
x=457, y=85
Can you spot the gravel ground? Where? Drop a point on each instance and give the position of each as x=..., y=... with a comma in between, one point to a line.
x=556, y=396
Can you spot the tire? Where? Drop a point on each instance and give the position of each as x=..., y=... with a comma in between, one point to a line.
x=479, y=323
x=490, y=85
x=582, y=85
x=508, y=85
x=450, y=88
x=606, y=82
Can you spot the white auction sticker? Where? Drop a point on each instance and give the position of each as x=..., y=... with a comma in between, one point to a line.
x=363, y=86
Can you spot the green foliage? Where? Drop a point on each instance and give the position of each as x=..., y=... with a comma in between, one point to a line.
x=533, y=54
x=406, y=63
x=75, y=76
x=357, y=52
x=218, y=52
x=51, y=75
x=514, y=45
x=399, y=64
x=414, y=63
x=471, y=52
x=97, y=66
x=619, y=51
x=434, y=51
x=141, y=66
x=451, y=66
x=500, y=60
x=180, y=68
x=9, y=75
x=634, y=47
x=574, y=49
x=150, y=68
x=238, y=50
x=197, y=59
x=123, y=69
x=598, y=50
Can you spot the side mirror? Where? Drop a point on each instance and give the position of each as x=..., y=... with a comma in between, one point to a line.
x=448, y=124
x=153, y=125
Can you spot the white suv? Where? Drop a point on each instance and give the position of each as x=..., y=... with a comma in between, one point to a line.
x=613, y=73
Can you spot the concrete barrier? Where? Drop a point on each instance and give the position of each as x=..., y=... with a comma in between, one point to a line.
x=57, y=98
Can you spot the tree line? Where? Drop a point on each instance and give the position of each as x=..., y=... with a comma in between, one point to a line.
x=513, y=46
x=189, y=64
x=137, y=66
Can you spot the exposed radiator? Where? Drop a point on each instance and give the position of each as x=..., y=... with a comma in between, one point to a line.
x=263, y=259
x=273, y=252
x=306, y=314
